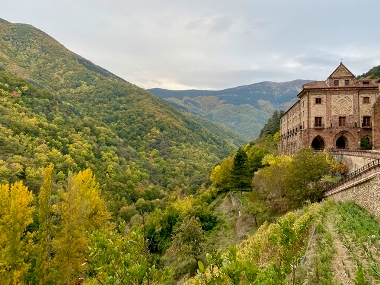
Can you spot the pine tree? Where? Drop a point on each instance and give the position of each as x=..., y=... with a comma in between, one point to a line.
x=241, y=179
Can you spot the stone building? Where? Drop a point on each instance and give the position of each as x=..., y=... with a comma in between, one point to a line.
x=340, y=112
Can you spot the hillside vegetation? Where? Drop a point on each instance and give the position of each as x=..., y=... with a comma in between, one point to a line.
x=329, y=243
x=373, y=73
x=244, y=109
x=91, y=118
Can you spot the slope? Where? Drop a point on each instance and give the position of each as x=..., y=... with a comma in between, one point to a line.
x=373, y=73
x=244, y=109
x=160, y=146
x=325, y=243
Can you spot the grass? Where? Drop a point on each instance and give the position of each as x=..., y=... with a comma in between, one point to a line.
x=346, y=244
x=360, y=232
x=317, y=267
x=330, y=179
x=345, y=248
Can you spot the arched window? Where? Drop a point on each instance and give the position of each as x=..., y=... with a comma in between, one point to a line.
x=365, y=143
x=318, y=143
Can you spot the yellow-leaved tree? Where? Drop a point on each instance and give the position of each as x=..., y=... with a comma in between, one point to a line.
x=43, y=269
x=15, y=243
x=80, y=210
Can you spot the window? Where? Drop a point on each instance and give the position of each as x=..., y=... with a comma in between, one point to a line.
x=336, y=82
x=365, y=100
x=342, y=121
x=318, y=100
x=366, y=121
x=318, y=122
x=346, y=82
x=365, y=82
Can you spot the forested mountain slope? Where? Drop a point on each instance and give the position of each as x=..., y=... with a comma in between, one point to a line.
x=93, y=118
x=373, y=73
x=244, y=109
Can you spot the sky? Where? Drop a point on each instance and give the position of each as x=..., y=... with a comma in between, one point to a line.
x=210, y=44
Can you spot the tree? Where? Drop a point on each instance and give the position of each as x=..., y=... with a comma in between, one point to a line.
x=273, y=124
x=269, y=182
x=81, y=210
x=256, y=206
x=221, y=174
x=255, y=155
x=241, y=178
x=15, y=241
x=303, y=177
x=45, y=226
x=118, y=259
x=189, y=239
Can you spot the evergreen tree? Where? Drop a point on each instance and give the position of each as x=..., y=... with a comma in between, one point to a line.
x=241, y=178
x=273, y=124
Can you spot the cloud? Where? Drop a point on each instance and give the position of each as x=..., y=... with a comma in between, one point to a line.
x=211, y=44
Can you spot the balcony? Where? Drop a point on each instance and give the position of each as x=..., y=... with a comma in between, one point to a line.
x=366, y=125
x=318, y=125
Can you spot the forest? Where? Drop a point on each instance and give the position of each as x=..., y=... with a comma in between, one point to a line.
x=103, y=183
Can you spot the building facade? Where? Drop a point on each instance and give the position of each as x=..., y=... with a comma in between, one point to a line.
x=340, y=112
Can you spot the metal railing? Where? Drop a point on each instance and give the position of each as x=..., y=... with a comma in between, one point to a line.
x=373, y=164
x=355, y=152
x=318, y=125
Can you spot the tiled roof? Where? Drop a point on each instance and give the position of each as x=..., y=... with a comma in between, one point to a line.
x=315, y=84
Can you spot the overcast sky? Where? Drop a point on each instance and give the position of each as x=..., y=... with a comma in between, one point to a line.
x=204, y=44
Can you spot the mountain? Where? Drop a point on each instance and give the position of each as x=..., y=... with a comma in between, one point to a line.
x=59, y=107
x=373, y=73
x=244, y=109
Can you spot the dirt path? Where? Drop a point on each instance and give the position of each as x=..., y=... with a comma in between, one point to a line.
x=343, y=267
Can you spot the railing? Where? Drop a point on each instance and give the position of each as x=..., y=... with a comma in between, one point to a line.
x=366, y=125
x=355, y=152
x=318, y=125
x=373, y=164
x=351, y=150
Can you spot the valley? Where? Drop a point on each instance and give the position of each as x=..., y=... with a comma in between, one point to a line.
x=104, y=182
x=243, y=109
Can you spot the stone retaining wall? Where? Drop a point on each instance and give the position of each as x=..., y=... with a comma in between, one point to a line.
x=365, y=192
x=353, y=161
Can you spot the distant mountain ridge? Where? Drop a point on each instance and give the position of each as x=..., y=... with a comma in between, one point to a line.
x=278, y=93
x=244, y=109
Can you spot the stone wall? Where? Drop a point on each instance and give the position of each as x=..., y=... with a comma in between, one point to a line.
x=365, y=192
x=376, y=125
x=354, y=162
